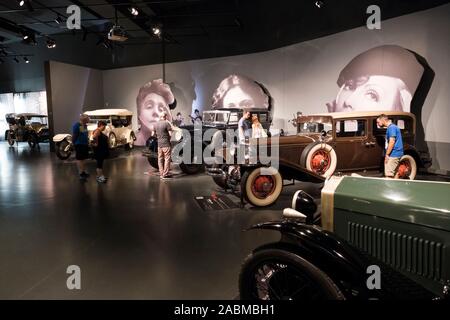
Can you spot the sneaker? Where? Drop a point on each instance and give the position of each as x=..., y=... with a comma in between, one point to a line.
x=166, y=178
x=101, y=179
x=84, y=174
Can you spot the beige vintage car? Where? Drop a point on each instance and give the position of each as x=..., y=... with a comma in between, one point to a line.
x=118, y=130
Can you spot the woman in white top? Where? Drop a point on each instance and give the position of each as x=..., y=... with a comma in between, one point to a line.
x=257, y=129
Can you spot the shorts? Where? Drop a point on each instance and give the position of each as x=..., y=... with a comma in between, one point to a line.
x=390, y=167
x=81, y=151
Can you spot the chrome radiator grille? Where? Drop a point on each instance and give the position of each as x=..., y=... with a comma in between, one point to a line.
x=409, y=253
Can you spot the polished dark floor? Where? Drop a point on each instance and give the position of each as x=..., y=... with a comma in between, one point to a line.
x=133, y=238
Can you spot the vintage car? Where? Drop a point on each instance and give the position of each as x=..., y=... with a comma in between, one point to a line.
x=118, y=130
x=27, y=127
x=373, y=238
x=218, y=119
x=325, y=144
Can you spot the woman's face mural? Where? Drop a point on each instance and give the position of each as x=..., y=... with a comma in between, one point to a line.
x=381, y=79
x=154, y=98
x=238, y=91
x=152, y=108
x=374, y=93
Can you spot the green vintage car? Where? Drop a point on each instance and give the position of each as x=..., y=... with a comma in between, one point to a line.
x=400, y=227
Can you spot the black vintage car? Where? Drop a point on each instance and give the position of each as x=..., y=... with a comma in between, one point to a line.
x=219, y=120
x=26, y=127
x=370, y=238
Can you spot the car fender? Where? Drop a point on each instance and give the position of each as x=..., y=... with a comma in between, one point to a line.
x=61, y=136
x=130, y=136
x=412, y=151
x=344, y=264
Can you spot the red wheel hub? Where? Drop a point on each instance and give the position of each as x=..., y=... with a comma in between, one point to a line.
x=320, y=161
x=263, y=186
x=404, y=169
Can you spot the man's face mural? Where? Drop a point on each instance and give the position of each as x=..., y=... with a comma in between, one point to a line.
x=380, y=79
x=238, y=91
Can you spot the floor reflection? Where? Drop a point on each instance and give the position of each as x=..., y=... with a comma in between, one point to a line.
x=133, y=237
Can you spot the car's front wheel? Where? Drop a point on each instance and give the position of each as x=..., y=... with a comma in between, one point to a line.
x=153, y=162
x=191, y=168
x=407, y=168
x=130, y=145
x=275, y=274
x=63, y=149
x=32, y=141
x=112, y=140
x=10, y=138
x=262, y=186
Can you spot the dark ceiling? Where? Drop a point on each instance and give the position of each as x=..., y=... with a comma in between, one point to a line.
x=192, y=29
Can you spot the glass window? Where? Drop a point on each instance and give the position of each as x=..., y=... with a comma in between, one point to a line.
x=313, y=127
x=351, y=128
x=116, y=122
x=234, y=117
x=405, y=124
x=262, y=117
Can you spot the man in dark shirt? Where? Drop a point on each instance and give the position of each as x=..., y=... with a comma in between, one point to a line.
x=245, y=127
x=163, y=129
x=80, y=140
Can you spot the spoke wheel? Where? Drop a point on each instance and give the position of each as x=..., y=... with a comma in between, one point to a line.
x=275, y=274
x=320, y=161
x=262, y=189
x=63, y=150
x=407, y=168
x=319, y=158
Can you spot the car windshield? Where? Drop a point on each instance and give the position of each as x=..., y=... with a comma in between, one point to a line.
x=96, y=119
x=215, y=117
x=37, y=120
x=313, y=127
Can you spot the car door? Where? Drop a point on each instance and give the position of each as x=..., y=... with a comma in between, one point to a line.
x=354, y=145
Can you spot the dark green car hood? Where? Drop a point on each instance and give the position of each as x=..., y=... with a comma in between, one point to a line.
x=419, y=202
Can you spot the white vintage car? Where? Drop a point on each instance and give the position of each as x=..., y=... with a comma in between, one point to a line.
x=118, y=130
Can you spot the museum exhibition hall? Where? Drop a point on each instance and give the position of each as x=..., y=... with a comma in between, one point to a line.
x=213, y=150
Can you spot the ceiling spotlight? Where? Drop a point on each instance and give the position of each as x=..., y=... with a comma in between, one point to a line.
x=59, y=20
x=26, y=60
x=319, y=4
x=51, y=43
x=133, y=11
x=26, y=37
x=16, y=60
x=156, y=30
x=27, y=3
